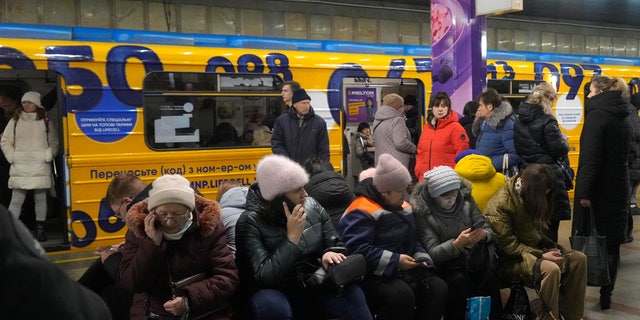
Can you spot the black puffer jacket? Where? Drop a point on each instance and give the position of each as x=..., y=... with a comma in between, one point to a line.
x=603, y=175
x=300, y=142
x=332, y=192
x=538, y=139
x=634, y=154
x=265, y=256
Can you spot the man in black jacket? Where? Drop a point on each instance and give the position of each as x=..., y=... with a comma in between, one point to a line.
x=300, y=134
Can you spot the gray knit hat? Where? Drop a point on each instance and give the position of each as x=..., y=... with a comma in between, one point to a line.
x=278, y=174
x=390, y=174
x=441, y=180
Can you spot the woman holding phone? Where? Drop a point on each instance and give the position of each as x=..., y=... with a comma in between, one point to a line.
x=460, y=241
x=279, y=240
x=176, y=235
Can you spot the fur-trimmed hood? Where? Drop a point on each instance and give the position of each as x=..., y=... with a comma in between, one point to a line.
x=206, y=216
x=496, y=118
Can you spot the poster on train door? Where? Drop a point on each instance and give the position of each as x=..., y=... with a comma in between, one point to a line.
x=361, y=104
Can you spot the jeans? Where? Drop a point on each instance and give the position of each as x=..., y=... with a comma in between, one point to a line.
x=273, y=304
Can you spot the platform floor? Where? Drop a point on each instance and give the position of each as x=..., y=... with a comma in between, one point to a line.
x=626, y=296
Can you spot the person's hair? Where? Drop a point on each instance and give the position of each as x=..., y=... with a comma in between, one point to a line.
x=490, y=96
x=293, y=84
x=441, y=97
x=362, y=126
x=40, y=113
x=538, y=191
x=607, y=83
x=123, y=185
x=226, y=186
x=369, y=99
x=543, y=94
x=261, y=136
x=317, y=165
x=470, y=108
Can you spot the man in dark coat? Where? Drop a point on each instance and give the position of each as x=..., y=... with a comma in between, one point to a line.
x=33, y=287
x=300, y=134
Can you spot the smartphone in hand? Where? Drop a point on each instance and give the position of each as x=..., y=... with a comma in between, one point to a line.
x=477, y=225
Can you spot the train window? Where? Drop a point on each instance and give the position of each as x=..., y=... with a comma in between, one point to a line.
x=221, y=111
x=513, y=90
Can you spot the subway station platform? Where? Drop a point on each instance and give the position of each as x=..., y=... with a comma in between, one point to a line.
x=625, y=306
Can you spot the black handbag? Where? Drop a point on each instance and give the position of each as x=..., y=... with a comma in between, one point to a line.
x=594, y=247
x=567, y=172
x=351, y=269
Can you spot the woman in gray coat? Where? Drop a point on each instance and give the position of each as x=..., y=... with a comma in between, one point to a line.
x=390, y=131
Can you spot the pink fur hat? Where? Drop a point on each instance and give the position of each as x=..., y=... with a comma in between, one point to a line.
x=278, y=174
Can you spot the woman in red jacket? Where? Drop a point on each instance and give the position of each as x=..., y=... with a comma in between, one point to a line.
x=442, y=137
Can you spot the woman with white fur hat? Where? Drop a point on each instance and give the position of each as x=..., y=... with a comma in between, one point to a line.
x=30, y=142
x=177, y=235
x=380, y=225
x=279, y=240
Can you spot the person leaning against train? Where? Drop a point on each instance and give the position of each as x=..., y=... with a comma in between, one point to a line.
x=177, y=236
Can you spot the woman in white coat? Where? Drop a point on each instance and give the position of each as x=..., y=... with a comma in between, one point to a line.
x=29, y=143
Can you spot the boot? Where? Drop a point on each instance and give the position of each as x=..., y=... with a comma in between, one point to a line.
x=605, y=291
x=41, y=235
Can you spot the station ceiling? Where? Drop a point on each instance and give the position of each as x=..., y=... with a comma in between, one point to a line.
x=602, y=12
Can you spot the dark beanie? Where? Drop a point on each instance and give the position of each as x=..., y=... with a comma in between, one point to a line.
x=299, y=95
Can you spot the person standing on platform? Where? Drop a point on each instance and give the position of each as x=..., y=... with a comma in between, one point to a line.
x=300, y=134
x=493, y=128
x=468, y=116
x=634, y=161
x=602, y=182
x=443, y=137
x=390, y=131
x=30, y=143
x=286, y=92
x=9, y=103
x=538, y=139
x=363, y=150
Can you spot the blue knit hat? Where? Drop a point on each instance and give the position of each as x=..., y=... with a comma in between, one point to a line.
x=466, y=153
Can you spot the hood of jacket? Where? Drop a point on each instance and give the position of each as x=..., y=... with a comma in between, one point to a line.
x=527, y=113
x=234, y=198
x=475, y=167
x=496, y=118
x=610, y=102
x=387, y=112
x=206, y=216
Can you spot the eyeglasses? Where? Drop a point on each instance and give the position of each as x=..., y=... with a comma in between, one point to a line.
x=118, y=209
x=164, y=216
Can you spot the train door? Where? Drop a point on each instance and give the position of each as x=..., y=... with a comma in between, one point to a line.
x=361, y=98
x=13, y=84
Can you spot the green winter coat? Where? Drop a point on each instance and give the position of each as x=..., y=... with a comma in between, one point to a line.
x=519, y=238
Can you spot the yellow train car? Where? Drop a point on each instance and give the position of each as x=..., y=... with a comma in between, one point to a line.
x=154, y=103
x=162, y=103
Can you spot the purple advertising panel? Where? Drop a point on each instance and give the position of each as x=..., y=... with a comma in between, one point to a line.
x=361, y=104
x=459, y=66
